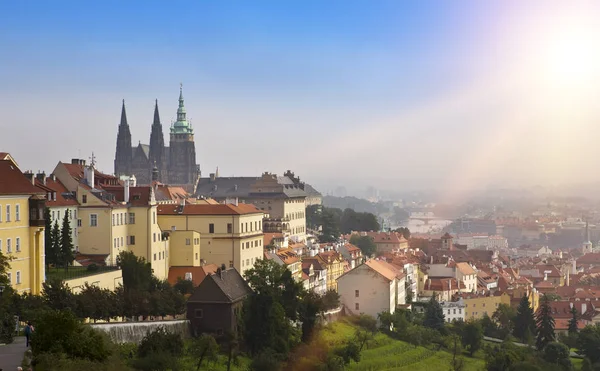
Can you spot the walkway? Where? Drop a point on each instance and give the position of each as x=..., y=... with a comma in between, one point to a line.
x=11, y=355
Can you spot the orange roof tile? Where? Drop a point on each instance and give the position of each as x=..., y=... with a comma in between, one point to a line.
x=385, y=269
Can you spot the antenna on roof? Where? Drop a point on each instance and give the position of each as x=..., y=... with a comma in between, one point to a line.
x=93, y=160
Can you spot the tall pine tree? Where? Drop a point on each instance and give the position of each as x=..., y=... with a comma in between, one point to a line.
x=55, y=250
x=524, y=321
x=434, y=314
x=545, y=324
x=66, y=242
x=573, y=321
x=48, y=238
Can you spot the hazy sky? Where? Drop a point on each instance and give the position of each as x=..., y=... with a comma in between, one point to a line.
x=437, y=94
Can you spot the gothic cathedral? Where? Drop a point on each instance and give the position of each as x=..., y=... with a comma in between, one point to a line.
x=174, y=165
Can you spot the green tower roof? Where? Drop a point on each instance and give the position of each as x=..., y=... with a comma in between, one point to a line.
x=181, y=126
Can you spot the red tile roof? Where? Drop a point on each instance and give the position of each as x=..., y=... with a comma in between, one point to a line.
x=13, y=182
x=138, y=196
x=203, y=209
x=63, y=196
x=198, y=273
x=76, y=171
x=288, y=256
x=590, y=258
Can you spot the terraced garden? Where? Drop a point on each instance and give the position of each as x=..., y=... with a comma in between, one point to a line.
x=385, y=353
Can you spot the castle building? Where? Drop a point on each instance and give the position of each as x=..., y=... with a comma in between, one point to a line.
x=174, y=165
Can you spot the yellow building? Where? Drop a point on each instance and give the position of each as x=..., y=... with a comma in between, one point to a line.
x=229, y=234
x=476, y=306
x=22, y=228
x=334, y=263
x=281, y=198
x=113, y=217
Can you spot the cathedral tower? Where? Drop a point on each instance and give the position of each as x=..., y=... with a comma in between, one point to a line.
x=157, y=153
x=182, y=151
x=123, y=156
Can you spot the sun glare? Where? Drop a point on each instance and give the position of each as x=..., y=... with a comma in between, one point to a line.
x=573, y=59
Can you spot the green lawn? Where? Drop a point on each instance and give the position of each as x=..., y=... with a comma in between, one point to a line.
x=385, y=353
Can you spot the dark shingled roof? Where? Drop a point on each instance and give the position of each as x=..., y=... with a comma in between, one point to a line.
x=228, y=281
x=241, y=187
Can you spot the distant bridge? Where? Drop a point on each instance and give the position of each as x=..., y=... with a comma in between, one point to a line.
x=425, y=217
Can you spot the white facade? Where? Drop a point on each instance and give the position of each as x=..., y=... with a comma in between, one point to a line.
x=363, y=290
x=482, y=241
x=453, y=310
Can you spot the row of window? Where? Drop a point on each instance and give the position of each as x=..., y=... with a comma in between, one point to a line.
x=296, y=215
x=256, y=226
x=8, y=218
x=9, y=245
x=161, y=255
x=121, y=218
x=9, y=276
x=248, y=262
x=454, y=310
x=250, y=244
x=188, y=241
x=57, y=215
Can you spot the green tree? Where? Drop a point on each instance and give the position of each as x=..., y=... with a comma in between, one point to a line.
x=50, y=254
x=490, y=328
x=586, y=365
x=137, y=273
x=364, y=243
x=504, y=316
x=56, y=239
x=66, y=253
x=350, y=221
x=404, y=231
x=310, y=307
x=434, y=315
x=524, y=326
x=267, y=315
x=455, y=346
x=330, y=226
x=57, y=295
x=545, y=324
x=331, y=299
x=558, y=354
x=573, y=321
x=204, y=347
x=60, y=332
x=185, y=287
x=588, y=342
x=503, y=357
x=472, y=336
x=267, y=359
x=313, y=216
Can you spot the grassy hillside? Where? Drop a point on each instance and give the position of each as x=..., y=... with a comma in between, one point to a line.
x=385, y=353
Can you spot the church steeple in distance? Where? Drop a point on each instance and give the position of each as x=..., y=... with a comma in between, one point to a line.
x=181, y=126
x=157, y=141
x=123, y=154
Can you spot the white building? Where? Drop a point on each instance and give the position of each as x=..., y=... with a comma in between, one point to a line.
x=59, y=202
x=453, y=310
x=371, y=288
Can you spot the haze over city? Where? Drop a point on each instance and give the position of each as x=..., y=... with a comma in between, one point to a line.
x=453, y=95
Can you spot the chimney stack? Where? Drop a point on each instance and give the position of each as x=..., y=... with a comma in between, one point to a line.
x=126, y=193
x=41, y=177
x=29, y=175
